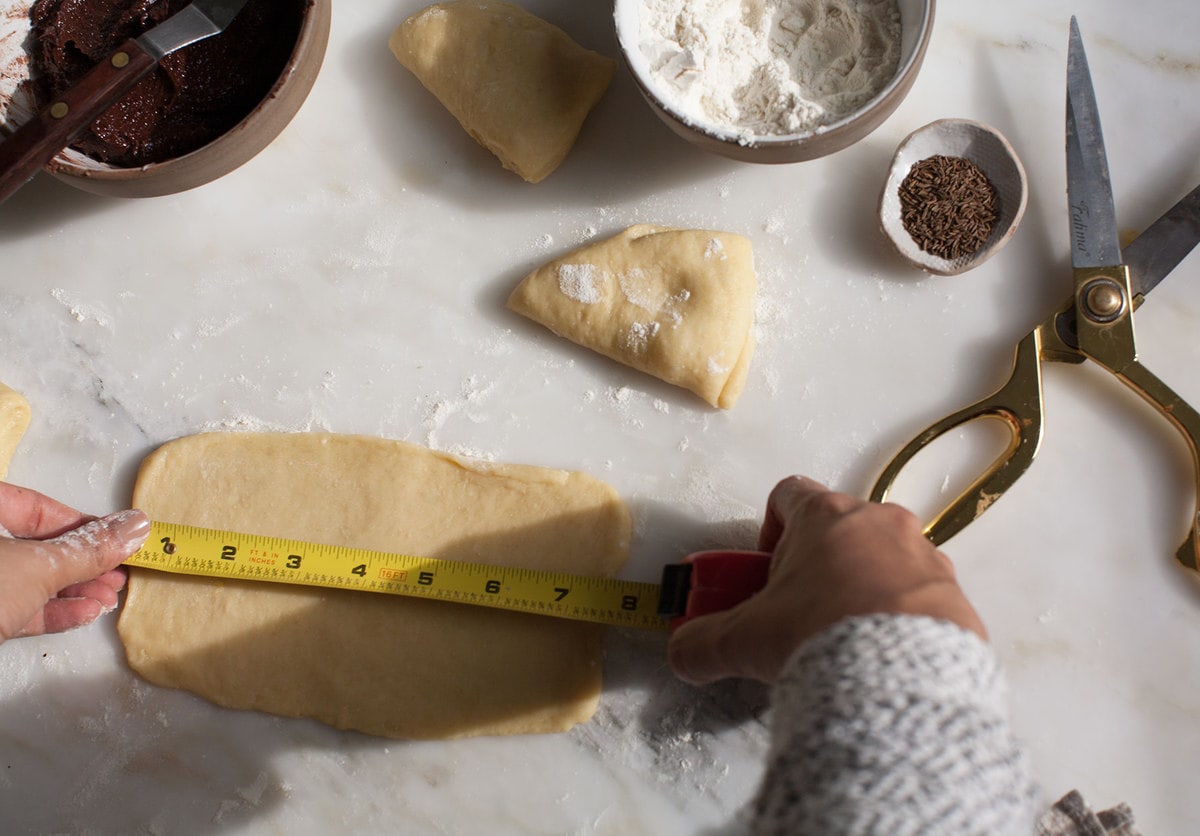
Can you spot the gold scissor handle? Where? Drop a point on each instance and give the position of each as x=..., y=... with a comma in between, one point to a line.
x=1185, y=419
x=1109, y=341
x=1019, y=404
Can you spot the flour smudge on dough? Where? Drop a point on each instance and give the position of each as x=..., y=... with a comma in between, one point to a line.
x=580, y=282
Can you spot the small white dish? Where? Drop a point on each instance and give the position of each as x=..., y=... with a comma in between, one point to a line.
x=982, y=145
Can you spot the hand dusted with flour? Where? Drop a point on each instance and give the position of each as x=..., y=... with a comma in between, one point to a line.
x=674, y=303
x=769, y=67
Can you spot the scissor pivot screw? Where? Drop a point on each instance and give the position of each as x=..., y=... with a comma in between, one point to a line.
x=1103, y=300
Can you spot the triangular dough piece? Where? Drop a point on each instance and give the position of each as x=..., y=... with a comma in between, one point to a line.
x=517, y=84
x=675, y=303
x=380, y=664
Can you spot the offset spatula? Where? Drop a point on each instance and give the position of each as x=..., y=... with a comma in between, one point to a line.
x=37, y=141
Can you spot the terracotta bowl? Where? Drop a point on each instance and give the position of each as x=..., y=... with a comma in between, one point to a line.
x=219, y=157
x=916, y=22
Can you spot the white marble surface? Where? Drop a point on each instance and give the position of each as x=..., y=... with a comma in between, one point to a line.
x=351, y=278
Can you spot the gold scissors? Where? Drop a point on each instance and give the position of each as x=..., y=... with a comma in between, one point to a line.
x=1096, y=323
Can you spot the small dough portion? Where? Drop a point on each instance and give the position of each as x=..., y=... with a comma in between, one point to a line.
x=674, y=303
x=14, y=420
x=517, y=84
x=375, y=663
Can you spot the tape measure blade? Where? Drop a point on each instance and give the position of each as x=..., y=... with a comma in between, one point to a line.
x=185, y=549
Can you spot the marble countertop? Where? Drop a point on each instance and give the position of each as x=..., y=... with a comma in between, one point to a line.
x=351, y=278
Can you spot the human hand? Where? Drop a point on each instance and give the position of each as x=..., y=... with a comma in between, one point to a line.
x=58, y=568
x=834, y=556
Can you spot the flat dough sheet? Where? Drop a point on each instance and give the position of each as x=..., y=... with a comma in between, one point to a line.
x=380, y=664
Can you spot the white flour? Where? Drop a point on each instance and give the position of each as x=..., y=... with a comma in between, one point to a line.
x=580, y=282
x=769, y=67
x=638, y=338
x=588, y=284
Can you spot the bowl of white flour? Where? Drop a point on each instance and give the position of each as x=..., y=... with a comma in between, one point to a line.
x=774, y=81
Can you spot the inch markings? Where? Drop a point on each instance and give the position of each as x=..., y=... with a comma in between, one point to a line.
x=191, y=550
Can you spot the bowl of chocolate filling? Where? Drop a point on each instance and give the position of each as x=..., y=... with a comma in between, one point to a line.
x=202, y=112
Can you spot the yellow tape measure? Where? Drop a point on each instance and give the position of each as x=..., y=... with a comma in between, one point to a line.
x=190, y=550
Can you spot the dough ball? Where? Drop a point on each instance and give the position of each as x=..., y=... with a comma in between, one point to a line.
x=674, y=303
x=379, y=664
x=517, y=84
x=14, y=420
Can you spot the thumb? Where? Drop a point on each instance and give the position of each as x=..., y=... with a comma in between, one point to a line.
x=704, y=649
x=92, y=549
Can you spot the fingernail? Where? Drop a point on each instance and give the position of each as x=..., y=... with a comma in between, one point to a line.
x=131, y=526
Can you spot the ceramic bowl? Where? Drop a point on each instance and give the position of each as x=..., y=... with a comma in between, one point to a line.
x=980, y=144
x=916, y=21
x=219, y=157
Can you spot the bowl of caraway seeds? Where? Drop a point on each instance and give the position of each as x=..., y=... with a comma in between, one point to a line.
x=953, y=197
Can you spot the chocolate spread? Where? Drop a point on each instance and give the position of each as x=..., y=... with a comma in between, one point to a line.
x=194, y=94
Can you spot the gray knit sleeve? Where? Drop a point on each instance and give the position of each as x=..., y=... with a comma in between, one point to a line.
x=894, y=724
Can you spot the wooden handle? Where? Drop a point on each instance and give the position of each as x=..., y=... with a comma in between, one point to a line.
x=36, y=142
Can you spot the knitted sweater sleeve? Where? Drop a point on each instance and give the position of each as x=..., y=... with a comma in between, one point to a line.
x=893, y=724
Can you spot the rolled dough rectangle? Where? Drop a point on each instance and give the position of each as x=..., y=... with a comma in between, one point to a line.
x=379, y=664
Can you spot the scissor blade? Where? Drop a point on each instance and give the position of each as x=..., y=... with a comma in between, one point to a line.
x=1162, y=245
x=1094, y=240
